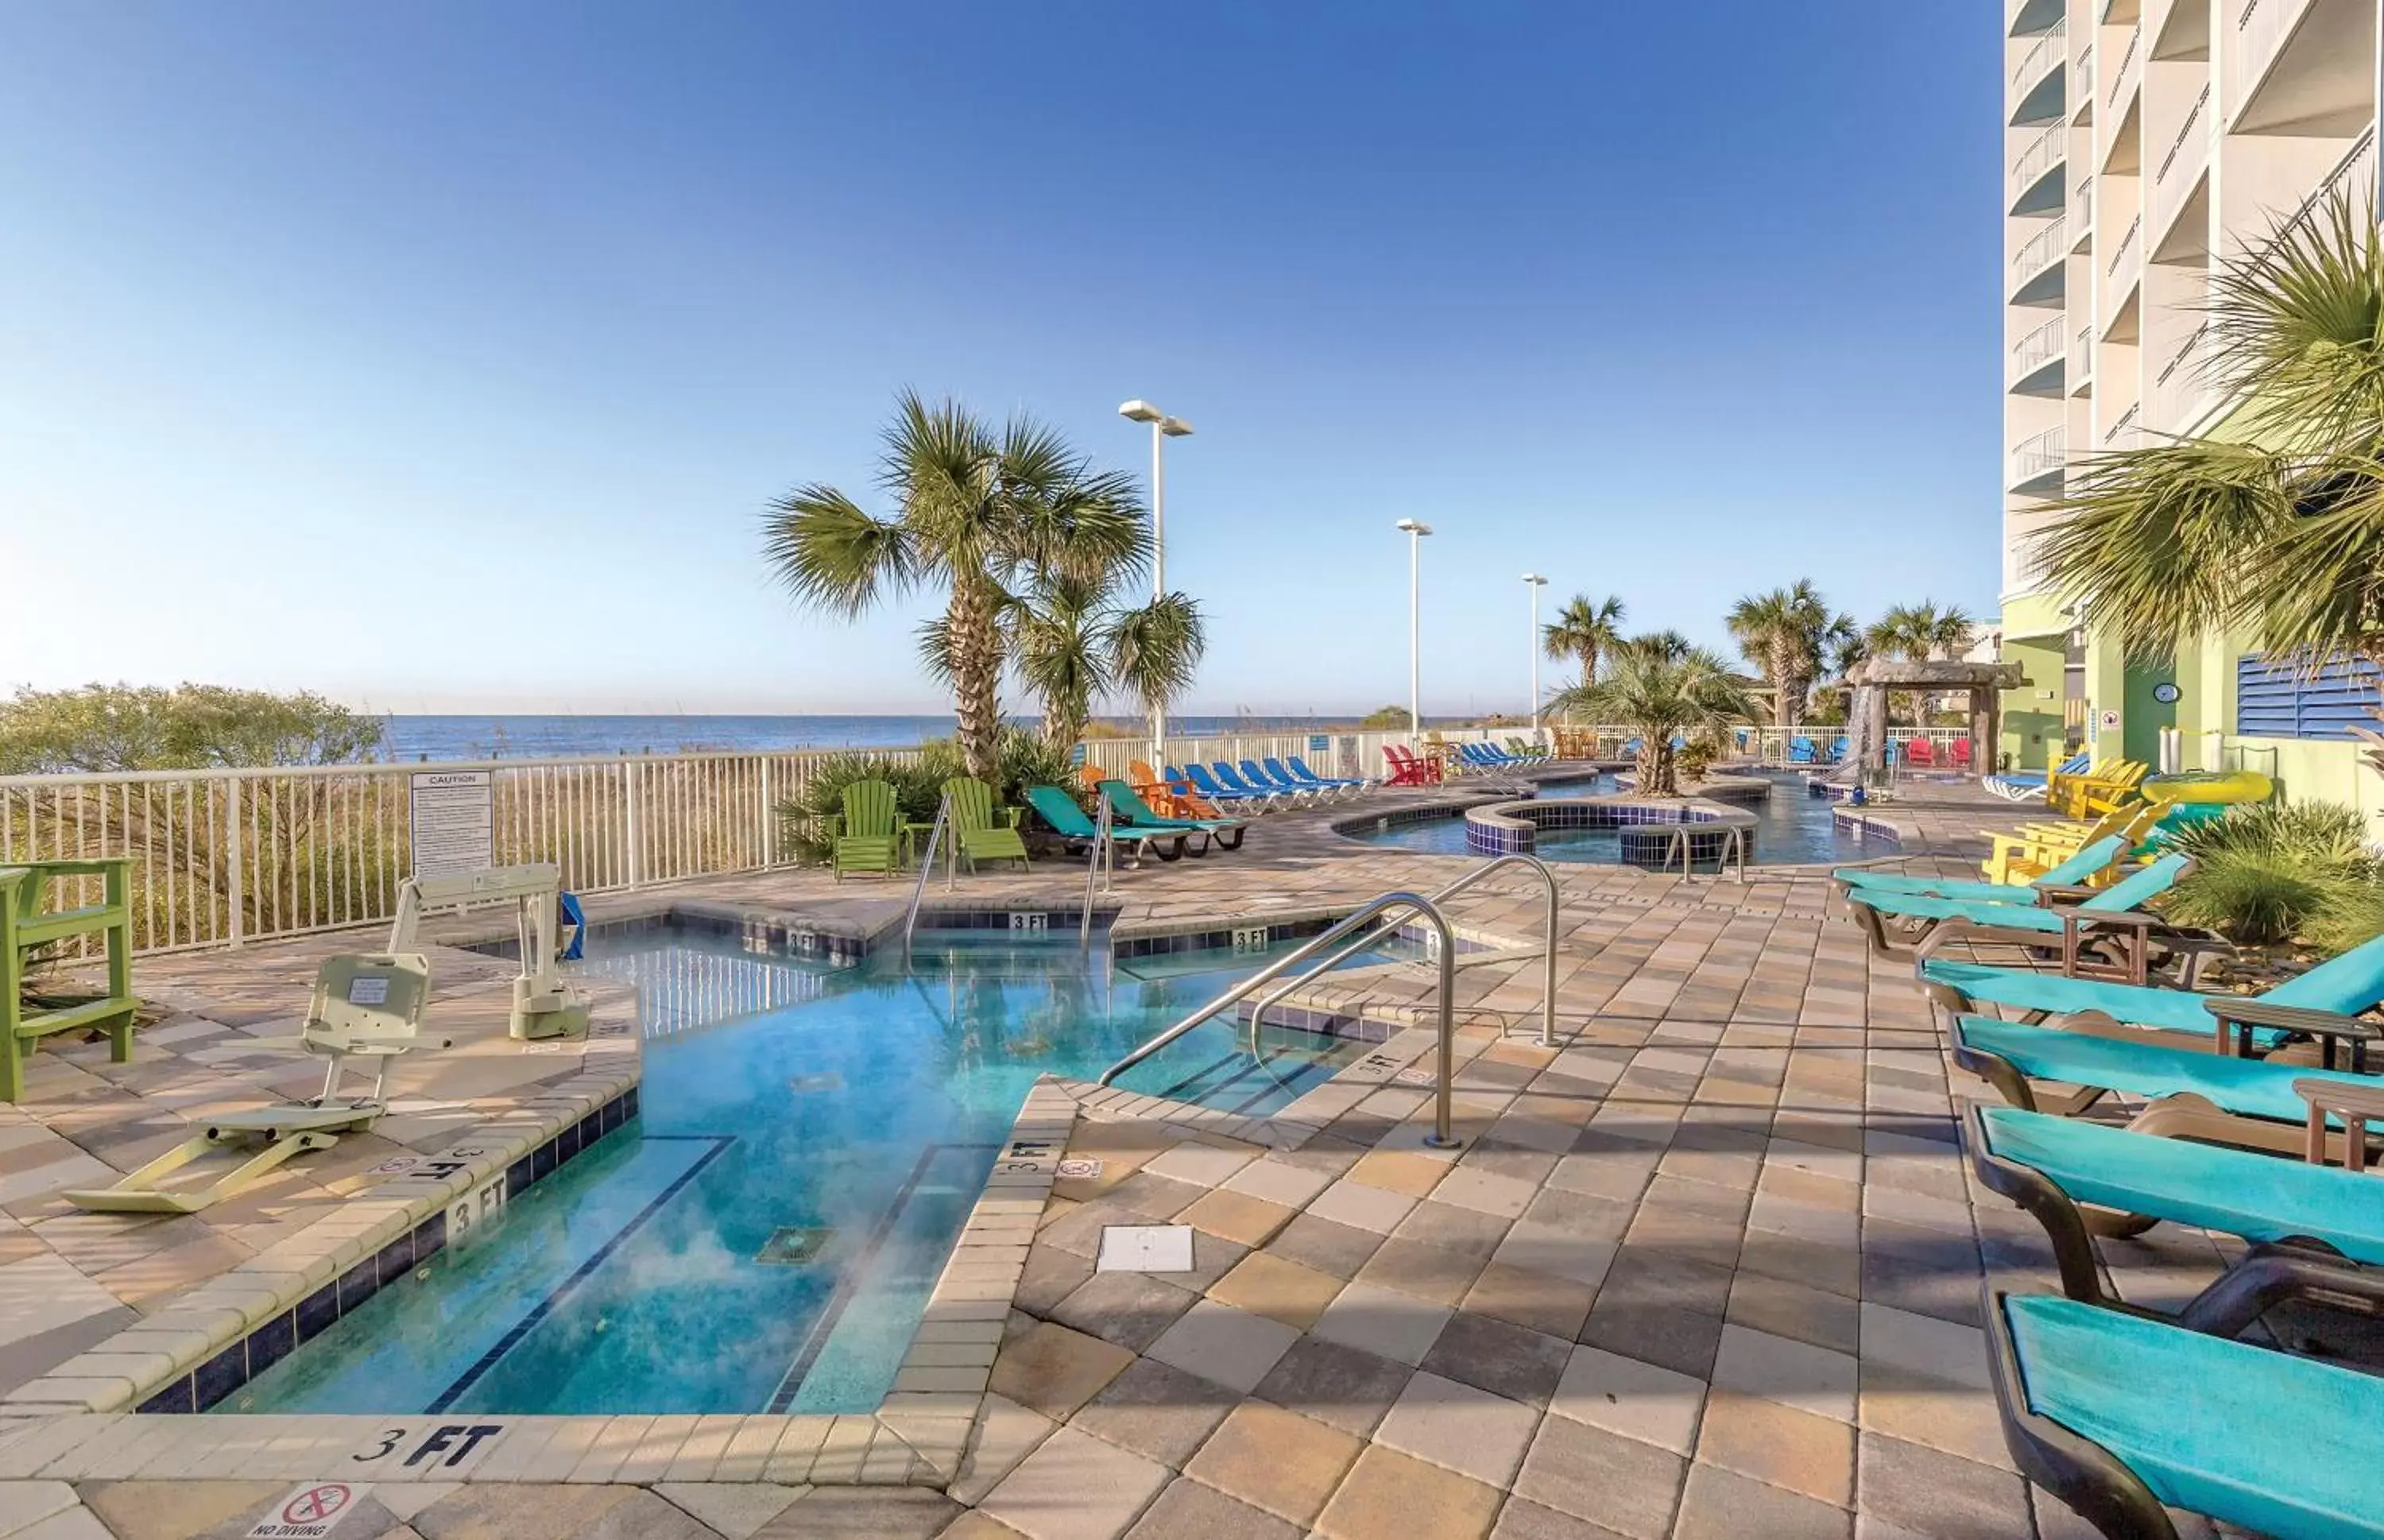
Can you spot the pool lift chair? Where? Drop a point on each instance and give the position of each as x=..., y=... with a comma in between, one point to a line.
x=366, y=1006
x=543, y=1005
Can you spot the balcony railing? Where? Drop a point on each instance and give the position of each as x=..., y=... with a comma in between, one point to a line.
x=2260, y=29
x=2034, y=349
x=2182, y=389
x=2082, y=204
x=2355, y=173
x=2042, y=455
x=2043, y=152
x=2123, y=434
x=2082, y=74
x=2127, y=62
x=2038, y=60
x=2126, y=249
x=2044, y=247
x=2189, y=152
x=2081, y=353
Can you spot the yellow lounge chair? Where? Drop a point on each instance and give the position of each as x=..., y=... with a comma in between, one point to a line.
x=2018, y=858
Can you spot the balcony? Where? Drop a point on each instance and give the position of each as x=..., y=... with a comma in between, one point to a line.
x=2127, y=259
x=2123, y=79
x=2082, y=356
x=2301, y=67
x=2182, y=165
x=2036, y=267
x=2181, y=391
x=2036, y=464
x=2030, y=17
x=2081, y=207
x=2123, y=434
x=2036, y=81
x=2035, y=179
x=2036, y=360
x=2355, y=174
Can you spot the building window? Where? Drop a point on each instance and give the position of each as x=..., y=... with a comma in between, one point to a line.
x=2278, y=698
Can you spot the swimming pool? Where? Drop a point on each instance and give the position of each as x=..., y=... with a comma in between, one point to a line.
x=763, y=1234
x=1791, y=827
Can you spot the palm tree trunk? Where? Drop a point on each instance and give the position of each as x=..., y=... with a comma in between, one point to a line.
x=1784, y=666
x=1655, y=767
x=976, y=678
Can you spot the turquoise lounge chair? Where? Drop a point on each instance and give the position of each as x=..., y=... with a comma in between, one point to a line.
x=2092, y=859
x=2114, y=912
x=2100, y=1409
x=2248, y=1102
x=1127, y=803
x=1059, y=810
x=2320, y=1003
x=2307, y=1223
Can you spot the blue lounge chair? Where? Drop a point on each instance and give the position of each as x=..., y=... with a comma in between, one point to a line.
x=1299, y=768
x=1837, y=749
x=1126, y=804
x=2021, y=785
x=1258, y=779
x=1209, y=784
x=1231, y=779
x=2320, y=1003
x=1060, y=811
x=1482, y=756
x=2306, y=1224
x=1632, y=745
x=2120, y=1416
x=2028, y=918
x=2092, y=859
x=1282, y=775
x=1802, y=752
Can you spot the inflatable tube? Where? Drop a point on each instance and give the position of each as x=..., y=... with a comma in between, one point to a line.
x=2208, y=787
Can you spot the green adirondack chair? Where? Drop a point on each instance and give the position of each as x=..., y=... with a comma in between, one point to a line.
x=864, y=833
x=983, y=832
x=27, y=921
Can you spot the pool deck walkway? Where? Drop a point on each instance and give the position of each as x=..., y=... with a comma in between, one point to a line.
x=1709, y=1269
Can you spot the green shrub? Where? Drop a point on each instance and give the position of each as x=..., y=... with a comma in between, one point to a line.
x=2351, y=915
x=2278, y=872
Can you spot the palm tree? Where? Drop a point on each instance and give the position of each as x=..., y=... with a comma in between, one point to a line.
x=1657, y=694
x=1916, y=633
x=1782, y=633
x=976, y=510
x=2275, y=534
x=1583, y=629
x=1074, y=643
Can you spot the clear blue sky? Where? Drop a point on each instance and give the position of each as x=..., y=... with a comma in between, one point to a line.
x=444, y=357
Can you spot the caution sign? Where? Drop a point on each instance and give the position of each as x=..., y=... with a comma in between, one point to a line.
x=308, y=1512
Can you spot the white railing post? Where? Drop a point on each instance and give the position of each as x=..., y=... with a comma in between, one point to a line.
x=635, y=826
x=234, y=867
x=769, y=845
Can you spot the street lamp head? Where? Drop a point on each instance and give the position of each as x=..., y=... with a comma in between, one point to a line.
x=1414, y=527
x=1140, y=411
x=1535, y=579
x=1175, y=427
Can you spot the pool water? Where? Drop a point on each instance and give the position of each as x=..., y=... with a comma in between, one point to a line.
x=763, y=1236
x=1791, y=827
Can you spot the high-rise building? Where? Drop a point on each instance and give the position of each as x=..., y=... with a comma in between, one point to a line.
x=2146, y=141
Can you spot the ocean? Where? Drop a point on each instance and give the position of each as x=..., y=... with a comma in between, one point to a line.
x=438, y=738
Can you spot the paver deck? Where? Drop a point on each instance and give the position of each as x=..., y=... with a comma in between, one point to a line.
x=1711, y=1267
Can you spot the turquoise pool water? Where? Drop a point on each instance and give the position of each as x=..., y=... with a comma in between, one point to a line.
x=764, y=1234
x=1791, y=827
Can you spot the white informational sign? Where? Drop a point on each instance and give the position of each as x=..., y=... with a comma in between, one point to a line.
x=309, y=1512
x=454, y=822
x=2110, y=721
x=368, y=991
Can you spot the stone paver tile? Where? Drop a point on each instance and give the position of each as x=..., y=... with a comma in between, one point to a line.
x=1461, y=1426
x=1497, y=1355
x=1776, y=1443
x=1421, y=1269
x=1324, y=1245
x=1363, y=1206
x=496, y=1511
x=77, y=1523
x=1076, y=1487
x=973, y=1525
x=855, y=1513
x=1237, y=1217
x=1722, y=1505
x=1791, y=1309
x=1218, y=1342
x=734, y=1510
x=1924, y=1343
x=1812, y=1379
x=1387, y=1493
x=1469, y=1187
x=1528, y=1520
x=1128, y=1309
x=643, y=1516
x=1383, y=1321
x=1474, y=1231
x=1630, y=1396
x=1348, y=1388
x=1919, y=1408
x=1005, y=1433
x=1541, y=1301
x=1281, y=1290
x=1540, y=1248
x=25, y=1503
x=1279, y=1181
x=1935, y=1494
x=1275, y=1459
x=1052, y=1370
x=1204, y=1165
x=1629, y=1487
x=1682, y=1340
x=1188, y=1510
x=1399, y=1170
x=1158, y=1411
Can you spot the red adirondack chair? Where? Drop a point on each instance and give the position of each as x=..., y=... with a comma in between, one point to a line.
x=1919, y=750
x=1408, y=770
x=1960, y=754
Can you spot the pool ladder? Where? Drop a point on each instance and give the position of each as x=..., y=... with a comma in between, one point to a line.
x=1355, y=933
x=936, y=840
x=1733, y=845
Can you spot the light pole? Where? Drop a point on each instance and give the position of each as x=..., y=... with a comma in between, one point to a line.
x=1416, y=531
x=1162, y=428
x=1536, y=583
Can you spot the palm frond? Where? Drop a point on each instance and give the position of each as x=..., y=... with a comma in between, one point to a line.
x=1155, y=651
x=824, y=549
x=2297, y=327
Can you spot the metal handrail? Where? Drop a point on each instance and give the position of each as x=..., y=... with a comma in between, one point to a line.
x=1441, y=1138
x=1733, y=842
x=1093, y=868
x=926, y=864
x=1548, y=939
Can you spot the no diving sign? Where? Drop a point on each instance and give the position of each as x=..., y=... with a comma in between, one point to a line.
x=309, y=1512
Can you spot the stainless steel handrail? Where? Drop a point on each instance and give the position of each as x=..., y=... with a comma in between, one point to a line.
x=1093, y=868
x=1359, y=944
x=926, y=864
x=1441, y=1138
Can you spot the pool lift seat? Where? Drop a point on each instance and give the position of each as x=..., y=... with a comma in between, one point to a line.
x=365, y=1006
x=543, y=1005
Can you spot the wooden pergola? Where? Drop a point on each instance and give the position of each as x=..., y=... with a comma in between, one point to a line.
x=1872, y=679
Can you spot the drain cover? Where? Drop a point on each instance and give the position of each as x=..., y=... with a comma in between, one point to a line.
x=813, y=1085
x=792, y=1245
x=1145, y=1249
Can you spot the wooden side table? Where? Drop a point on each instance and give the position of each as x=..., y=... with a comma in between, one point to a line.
x=2355, y=1105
